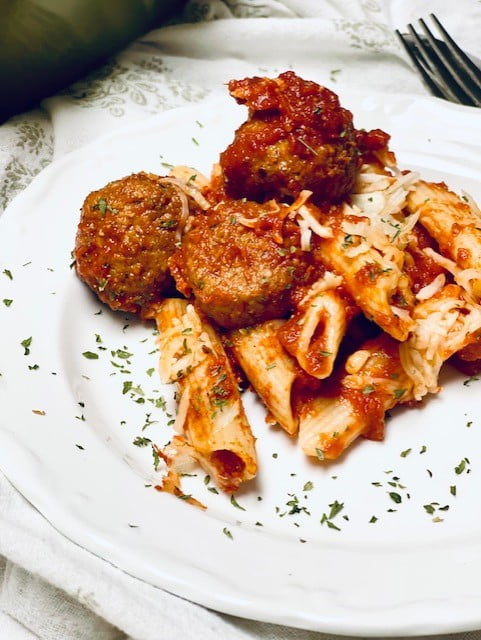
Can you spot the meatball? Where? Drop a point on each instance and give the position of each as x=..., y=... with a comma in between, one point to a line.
x=297, y=136
x=126, y=234
x=238, y=274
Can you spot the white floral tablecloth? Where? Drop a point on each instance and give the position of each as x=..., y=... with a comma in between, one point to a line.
x=49, y=587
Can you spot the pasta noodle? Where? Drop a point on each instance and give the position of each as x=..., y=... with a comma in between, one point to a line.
x=444, y=324
x=269, y=369
x=384, y=373
x=456, y=225
x=314, y=332
x=373, y=382
x=369, y=236
x=210, y=413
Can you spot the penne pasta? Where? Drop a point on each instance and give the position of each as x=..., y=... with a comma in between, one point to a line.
x=369, y=236
x=456, y=225
x=180, y=458
x=377, y=285
x=373, y=382
x=444, y=324
x=270, y=370
x=210, y=414
x=314, y=332
x=384, y=373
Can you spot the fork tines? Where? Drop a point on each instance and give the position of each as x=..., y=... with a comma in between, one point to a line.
x=447, y=71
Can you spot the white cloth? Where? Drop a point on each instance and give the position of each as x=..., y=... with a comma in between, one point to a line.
x=49, y=587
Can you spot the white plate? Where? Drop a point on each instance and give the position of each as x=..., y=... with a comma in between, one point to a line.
x=75, y=461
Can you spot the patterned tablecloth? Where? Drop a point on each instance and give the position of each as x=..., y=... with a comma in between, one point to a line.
x=49, y=588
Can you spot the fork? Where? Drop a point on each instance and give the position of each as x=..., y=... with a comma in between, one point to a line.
x=445, y=69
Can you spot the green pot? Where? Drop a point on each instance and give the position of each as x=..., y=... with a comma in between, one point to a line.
x=47, y=44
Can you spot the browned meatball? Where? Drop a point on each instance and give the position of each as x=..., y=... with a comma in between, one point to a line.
x=297, y=137
x=238, y=274
x=127, y=232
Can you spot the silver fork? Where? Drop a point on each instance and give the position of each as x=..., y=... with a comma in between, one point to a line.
x=445, y=69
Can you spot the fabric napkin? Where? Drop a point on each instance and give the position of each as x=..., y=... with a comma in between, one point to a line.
x=51, y=588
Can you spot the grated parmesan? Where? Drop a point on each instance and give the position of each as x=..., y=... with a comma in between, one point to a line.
x=443, y=325
x=432, y=288
x=463, y=277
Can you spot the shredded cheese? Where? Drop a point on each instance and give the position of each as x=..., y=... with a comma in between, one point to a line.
x=190, y=189
x=378, y=202
x=306, y=235
x=248, y=222
x=443, y=325
x=301, y=214
x=465, y=278
x=432, y=288
x=400, y=313
x=308, y=225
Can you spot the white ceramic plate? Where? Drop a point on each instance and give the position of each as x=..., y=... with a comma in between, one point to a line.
x=388, y=567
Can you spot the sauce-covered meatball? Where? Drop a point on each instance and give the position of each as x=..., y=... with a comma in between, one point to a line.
x=237, y=272
x=297, y=136
x=126, y=234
